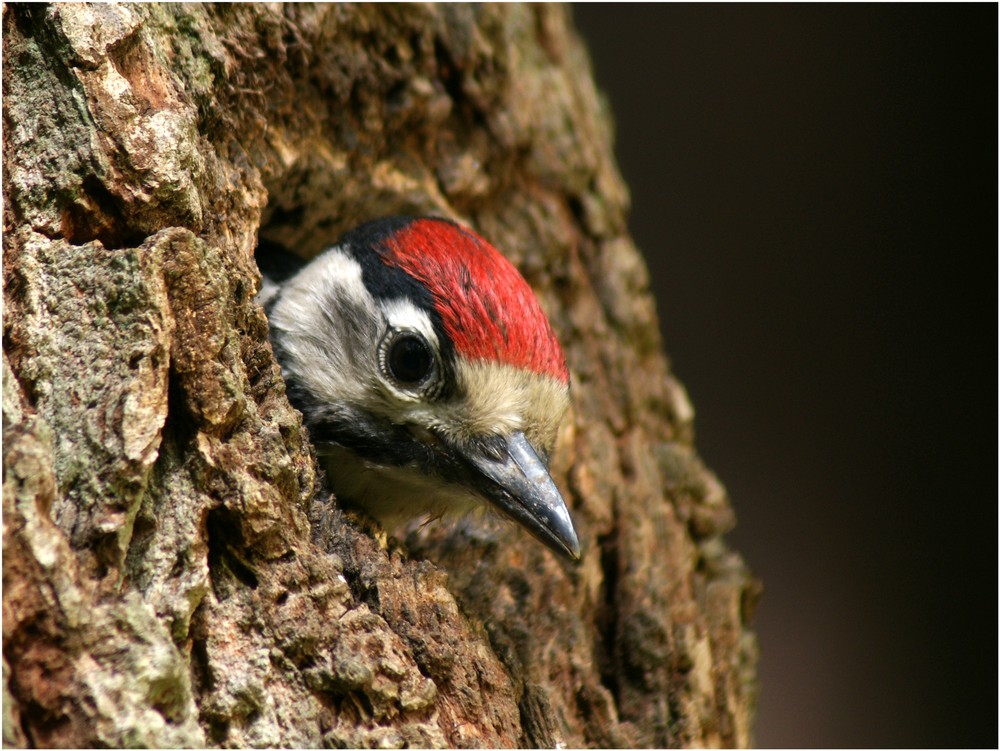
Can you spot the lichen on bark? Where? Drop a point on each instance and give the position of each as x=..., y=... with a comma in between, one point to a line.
x=174, y=572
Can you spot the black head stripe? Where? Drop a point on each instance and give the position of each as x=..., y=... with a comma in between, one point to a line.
x=276, y=263
x=377, y=440
x=373, y=233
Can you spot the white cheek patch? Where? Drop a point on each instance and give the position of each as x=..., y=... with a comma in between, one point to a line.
x=335, y=274
x=307, y=298
x=329, y=325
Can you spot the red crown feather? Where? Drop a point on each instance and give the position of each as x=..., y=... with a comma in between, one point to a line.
x=487, y=308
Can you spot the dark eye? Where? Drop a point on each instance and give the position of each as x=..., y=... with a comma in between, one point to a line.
x=409, y=359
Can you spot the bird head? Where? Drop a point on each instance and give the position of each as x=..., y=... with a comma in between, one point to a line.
x=427, y=374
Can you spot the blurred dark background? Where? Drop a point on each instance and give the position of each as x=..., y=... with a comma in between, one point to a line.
x=815, y=189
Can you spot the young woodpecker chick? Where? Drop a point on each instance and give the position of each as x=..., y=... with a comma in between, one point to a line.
x=427, y=374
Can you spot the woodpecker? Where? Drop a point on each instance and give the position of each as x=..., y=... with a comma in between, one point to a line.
x=427, y=374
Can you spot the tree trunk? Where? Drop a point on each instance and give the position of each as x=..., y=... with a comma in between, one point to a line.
x=174, y=573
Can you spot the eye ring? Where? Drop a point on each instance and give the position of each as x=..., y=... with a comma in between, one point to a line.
x=407, y=359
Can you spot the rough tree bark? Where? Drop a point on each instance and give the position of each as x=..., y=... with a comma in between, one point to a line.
x=173, y=572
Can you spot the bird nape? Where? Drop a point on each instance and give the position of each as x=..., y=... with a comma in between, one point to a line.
x=427, y=374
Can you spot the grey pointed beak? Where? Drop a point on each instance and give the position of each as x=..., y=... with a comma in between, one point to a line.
x=518, y=484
